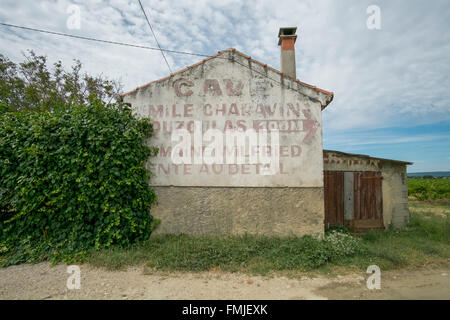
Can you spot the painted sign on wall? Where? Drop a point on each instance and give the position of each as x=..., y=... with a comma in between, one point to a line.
x=232, y=131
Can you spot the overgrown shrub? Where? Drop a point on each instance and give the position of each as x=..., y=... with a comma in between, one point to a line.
x=71, y=181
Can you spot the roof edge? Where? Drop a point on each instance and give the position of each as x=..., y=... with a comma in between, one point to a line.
x=370, y=157
x=329, y=93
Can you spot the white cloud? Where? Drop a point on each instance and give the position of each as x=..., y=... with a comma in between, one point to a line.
x=394, y=76
x=370, y=139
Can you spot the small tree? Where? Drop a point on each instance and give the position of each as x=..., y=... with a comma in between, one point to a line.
x=30, y=85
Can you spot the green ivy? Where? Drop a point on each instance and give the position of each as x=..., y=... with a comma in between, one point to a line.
x=72, y=181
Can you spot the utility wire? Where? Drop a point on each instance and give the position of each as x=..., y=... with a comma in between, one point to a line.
x=119, y=43
x=101, y=40
x=134, y=46
x=148, y=21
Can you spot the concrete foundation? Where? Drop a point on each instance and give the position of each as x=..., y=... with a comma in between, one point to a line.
x=235, y=211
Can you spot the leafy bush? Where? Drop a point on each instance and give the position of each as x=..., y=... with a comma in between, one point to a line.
x=72, y=180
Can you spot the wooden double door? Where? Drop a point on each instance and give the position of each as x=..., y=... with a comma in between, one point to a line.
x=353, y=199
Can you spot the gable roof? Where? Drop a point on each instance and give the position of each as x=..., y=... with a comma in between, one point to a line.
x=318, y=90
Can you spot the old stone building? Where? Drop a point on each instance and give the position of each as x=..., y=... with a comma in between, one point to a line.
x=364, y=192
x=230, y=98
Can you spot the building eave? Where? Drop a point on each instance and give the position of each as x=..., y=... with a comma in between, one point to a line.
x=369, y=157
x=329, y=94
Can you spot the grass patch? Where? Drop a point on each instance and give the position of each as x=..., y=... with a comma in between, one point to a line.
x=428, y=207
x=425, y=240
x=254, y=254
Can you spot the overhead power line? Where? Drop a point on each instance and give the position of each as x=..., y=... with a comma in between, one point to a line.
x=101, y=40
x=132, y=45
x=154, y=36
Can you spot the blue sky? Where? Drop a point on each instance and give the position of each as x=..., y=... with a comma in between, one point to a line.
x=428, y=146
x=391, y=85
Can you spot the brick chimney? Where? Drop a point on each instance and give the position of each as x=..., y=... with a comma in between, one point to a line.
x=286, y=39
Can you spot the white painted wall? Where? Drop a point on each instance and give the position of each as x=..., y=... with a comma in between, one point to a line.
x=229, y=94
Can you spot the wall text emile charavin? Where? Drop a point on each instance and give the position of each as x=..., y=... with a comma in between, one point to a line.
x=223, y=109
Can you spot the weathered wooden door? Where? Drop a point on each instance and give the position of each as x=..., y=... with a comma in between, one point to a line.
x=368, y=201
x=353, y=199
x=334, y=198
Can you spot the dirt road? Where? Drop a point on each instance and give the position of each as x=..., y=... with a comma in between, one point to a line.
x=42, y=281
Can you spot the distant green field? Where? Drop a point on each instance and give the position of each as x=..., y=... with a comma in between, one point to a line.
x=429, y=189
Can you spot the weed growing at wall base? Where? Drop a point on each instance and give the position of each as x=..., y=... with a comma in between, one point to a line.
x=251, y=253
x=426, y=240
x=73, y=180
